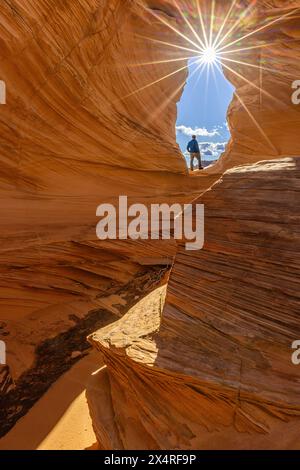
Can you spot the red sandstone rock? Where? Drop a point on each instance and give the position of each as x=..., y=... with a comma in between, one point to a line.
x=219, y=373
x=72, y=70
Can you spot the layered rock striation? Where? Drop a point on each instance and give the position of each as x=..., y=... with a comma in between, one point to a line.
x=71, y=139
x=88, y=119
x=219, y=372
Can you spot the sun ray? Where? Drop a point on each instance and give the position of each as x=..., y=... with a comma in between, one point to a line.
x=170, y=44
x=237, y=23
x=224, y=22
x=165, y=61
x=207, y=68
x=162, y=20
x=170, y=98
x=209, y=52
x=165, y=103
x=242, y=49
x=218, y=67
x=212, y=18
x=253, y=85
x=202, y=23
x=155, y=81
x=261, y=77
x=260, y=67
x=261, y=28
x=213, y=72
x=199, y=66
x=257, y=124
x=189, y=25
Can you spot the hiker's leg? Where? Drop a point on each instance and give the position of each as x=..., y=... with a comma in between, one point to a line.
x=192, y=162
x=199, y=161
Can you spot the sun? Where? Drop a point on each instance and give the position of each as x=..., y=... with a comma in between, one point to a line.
x=209, y=55
x=212, y=52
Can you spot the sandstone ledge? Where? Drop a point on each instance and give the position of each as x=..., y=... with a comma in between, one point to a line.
x=218, y=374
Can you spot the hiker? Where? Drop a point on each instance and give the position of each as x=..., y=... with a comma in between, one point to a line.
x=194, y=150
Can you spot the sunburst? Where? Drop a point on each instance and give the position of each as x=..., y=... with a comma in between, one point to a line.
x=211, y=52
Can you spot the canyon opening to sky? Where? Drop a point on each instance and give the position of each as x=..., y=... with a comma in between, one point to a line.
x=202, y=111
x=168, y=348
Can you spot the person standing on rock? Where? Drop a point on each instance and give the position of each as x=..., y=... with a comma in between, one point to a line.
x=194, y=151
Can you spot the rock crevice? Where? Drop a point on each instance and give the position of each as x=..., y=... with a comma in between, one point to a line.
x=77, y=83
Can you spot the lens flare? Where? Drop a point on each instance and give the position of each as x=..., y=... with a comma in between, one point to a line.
x=209, y=55
x=214, y=53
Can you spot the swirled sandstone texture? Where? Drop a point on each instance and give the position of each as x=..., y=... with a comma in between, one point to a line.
x=262, y=117
x=74, y=136
x=81, y=126
x=219, y=374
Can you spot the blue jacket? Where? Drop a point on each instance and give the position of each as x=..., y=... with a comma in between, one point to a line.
x=193, y=146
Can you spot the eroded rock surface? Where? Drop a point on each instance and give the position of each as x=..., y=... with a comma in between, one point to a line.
x=219, y=373
x=78, y=81
x=72, y=139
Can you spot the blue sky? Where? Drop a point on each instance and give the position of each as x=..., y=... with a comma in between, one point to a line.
x=202, y=110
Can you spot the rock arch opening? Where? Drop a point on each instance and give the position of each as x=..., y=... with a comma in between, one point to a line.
x=202, y=111
x=97, y=76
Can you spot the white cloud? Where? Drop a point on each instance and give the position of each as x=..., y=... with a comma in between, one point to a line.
x=199, y=131
x=215, y=147
x=212, y=150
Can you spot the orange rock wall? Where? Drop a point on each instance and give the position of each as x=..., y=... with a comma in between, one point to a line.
x=82, y=125
x=70, y=140
x=219, y=374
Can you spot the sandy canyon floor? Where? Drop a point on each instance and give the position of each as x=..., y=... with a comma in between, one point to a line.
x=60, y=420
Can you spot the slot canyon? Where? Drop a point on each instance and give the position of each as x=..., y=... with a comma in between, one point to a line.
x=196, y=345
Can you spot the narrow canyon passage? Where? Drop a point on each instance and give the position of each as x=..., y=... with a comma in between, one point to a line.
x=202, y=110
x=194, y=347
x=61, y=420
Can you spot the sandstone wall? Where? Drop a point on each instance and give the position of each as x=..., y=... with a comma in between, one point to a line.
x=219, y=374
x=72, y=71
x=262, y=118
x=71, y=139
